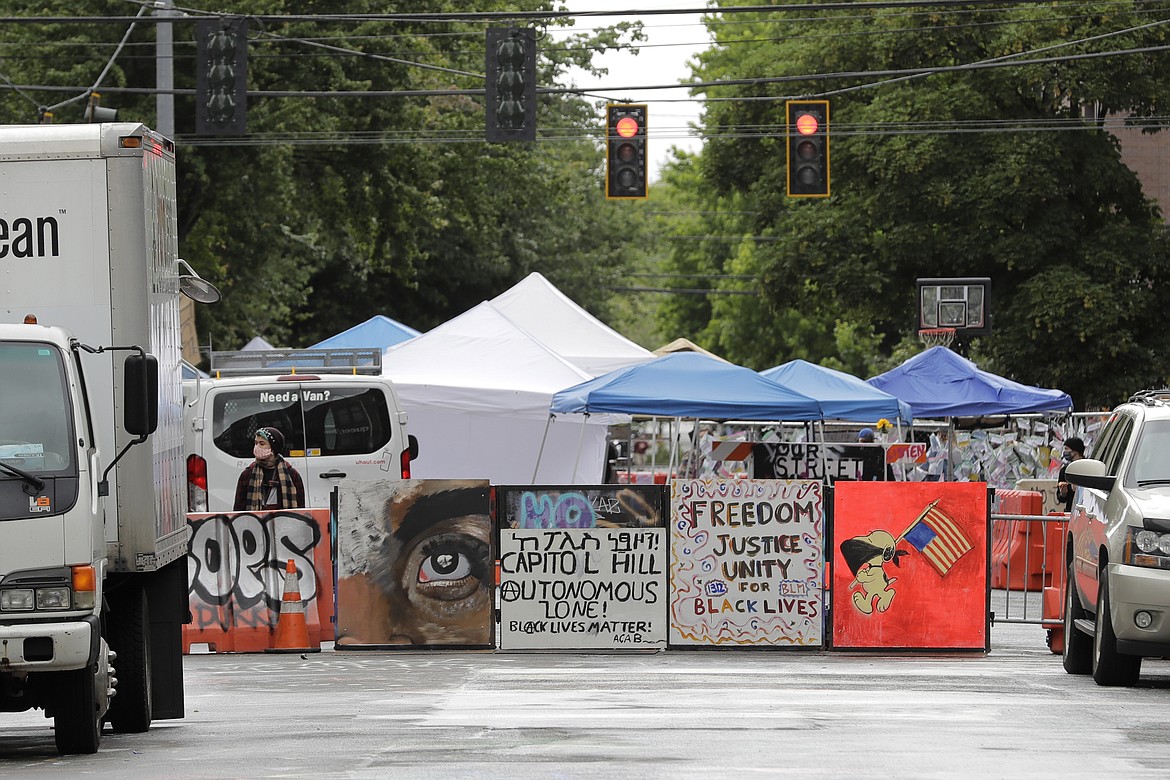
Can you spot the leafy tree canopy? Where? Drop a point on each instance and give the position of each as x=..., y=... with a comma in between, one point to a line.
x=1002, y=172
x=334, y=209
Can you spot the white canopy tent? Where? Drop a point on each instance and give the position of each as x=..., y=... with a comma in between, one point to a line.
x=478, y=389
x=550, y=316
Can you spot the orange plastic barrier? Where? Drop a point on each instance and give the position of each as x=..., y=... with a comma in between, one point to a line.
x=1052, y=608
x=1025, y=554
x=237, y=564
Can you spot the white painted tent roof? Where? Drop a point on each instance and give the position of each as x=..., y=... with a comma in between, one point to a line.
x=479, y=362
x=537, y=306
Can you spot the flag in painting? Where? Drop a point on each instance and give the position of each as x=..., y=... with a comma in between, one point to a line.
x=939, y=538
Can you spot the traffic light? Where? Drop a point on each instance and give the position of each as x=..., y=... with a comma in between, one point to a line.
x=95, y=111
x=511, y=84
x=221, y=79
x=625, y=151
x=808, y=148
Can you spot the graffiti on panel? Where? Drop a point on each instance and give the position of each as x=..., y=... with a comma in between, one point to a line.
x=236, y=566
x=910, y=565
x=414, y=563
x=600, y=588
x=804, y=460
x=582, y=507
x=746, y=562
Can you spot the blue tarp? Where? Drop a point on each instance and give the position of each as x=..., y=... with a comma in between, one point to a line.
x=376, y=332
x=687, y=384
x=842, y=396
x=939, y=383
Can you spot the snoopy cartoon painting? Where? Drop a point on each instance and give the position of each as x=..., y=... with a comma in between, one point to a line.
x=911, y=565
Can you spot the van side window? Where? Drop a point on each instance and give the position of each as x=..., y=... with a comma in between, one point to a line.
x=236, y=415
x=346, y=421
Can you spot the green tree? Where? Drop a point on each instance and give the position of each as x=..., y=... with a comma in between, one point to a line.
x=333, y=209
x=972, y=172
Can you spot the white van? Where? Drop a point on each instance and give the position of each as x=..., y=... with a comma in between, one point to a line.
x=340, y=418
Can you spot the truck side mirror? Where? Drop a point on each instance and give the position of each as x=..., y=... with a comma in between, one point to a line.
x=141, y=394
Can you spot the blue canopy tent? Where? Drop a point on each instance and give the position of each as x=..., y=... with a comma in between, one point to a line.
x=938, y=383
x=842, y=396
x=686, y=384
x=378, y=331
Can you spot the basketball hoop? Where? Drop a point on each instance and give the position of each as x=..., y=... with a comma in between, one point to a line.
x=936, y=337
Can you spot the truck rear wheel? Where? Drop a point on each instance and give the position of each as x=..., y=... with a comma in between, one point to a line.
x=128, y=627
x=77, y=721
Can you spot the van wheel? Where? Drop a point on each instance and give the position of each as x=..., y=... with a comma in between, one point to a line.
x=1109, y=666
x=129, y=636
x=77, y=724
x=1078, y=646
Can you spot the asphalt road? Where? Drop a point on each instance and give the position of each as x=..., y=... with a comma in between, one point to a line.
x=710, y=713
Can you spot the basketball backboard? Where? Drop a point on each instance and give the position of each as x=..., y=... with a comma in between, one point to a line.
x=963, y=304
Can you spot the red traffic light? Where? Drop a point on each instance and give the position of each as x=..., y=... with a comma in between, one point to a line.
x=808, y=148
x=625, y=151
x=627, y=127
x=807, y=124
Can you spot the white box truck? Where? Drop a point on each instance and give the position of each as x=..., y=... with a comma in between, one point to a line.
x=93, y=534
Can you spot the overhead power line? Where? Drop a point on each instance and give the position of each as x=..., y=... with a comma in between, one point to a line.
x=495, y=16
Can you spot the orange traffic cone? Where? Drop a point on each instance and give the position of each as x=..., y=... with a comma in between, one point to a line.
x=292, y=633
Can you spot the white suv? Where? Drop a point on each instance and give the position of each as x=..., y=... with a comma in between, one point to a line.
x=1117, y=593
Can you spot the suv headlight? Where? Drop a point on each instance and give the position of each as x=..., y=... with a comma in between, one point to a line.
x=1148, y=548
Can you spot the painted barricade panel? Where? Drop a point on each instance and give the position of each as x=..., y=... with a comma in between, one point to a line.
x=805, y=460
x=236, y=565
x=747, y=560
x=910, y=565
x=414, y=564
x=582, y=567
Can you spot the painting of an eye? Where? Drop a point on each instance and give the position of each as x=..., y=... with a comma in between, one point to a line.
x=445, y=565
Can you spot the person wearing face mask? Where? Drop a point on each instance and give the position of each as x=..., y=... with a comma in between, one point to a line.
x=1074, y=449
x=270, y=481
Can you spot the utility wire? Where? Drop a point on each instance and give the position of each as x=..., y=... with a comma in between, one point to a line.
x=507, y=16
x=109, y=64
x=698, y=85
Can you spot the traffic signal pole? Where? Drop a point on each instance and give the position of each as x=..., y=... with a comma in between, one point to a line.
x=164, y=68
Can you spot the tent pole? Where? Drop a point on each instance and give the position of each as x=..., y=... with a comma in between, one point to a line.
x=695, y=450
x=540, y=453
x=676, y=428
x=824, y=447
x=580, y=439
x=950, y=449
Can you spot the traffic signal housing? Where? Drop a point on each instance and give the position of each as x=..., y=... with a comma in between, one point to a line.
x=625, y=151
x=221, y=78
x=511, y=84
x=808, y=148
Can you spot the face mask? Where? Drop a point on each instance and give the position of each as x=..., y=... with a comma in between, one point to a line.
x=1067, y=457
x=262, y=453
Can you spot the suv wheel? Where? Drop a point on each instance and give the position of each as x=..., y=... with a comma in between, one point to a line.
x=1078, y=646
x=1109, y=666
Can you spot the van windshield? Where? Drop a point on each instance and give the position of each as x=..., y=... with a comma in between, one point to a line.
x=35, y=416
